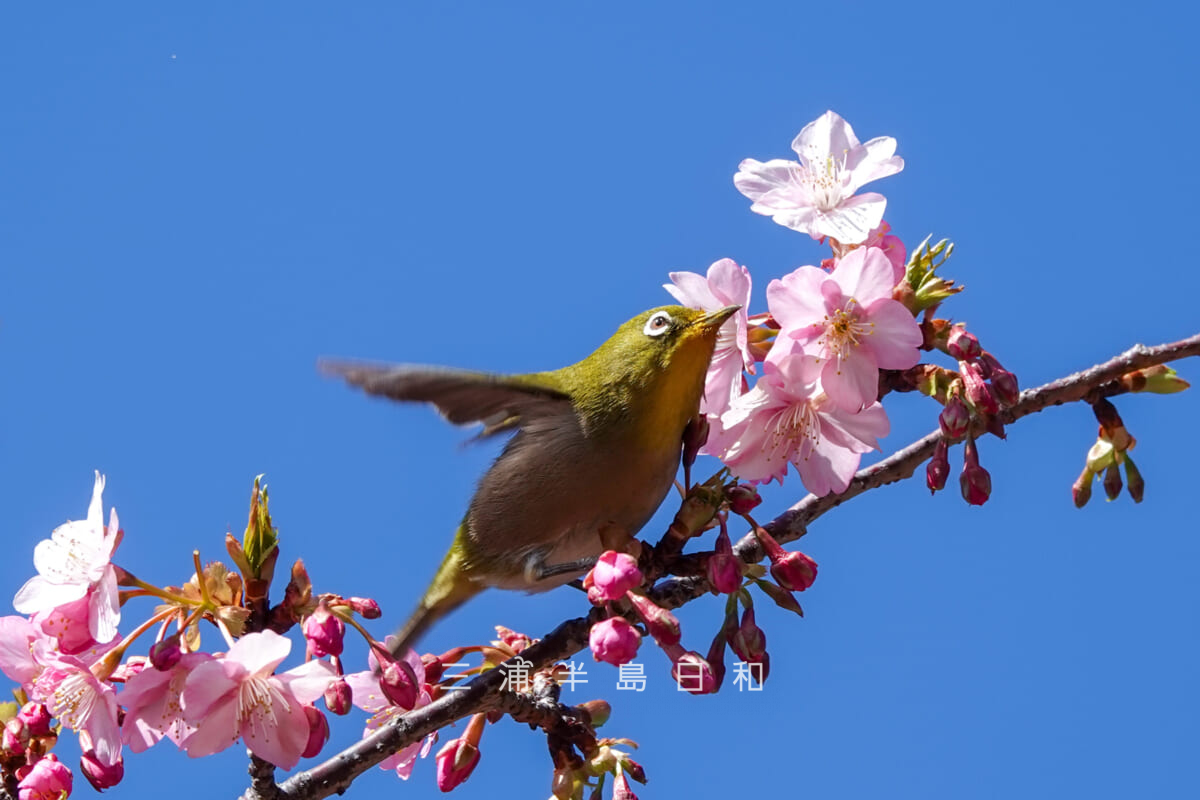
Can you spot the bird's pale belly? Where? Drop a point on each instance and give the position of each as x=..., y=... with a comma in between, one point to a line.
x=562, y=503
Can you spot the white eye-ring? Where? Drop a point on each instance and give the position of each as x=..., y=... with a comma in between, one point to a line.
x=658, y=324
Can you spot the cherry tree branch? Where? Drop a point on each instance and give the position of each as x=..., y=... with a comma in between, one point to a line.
x=485, y=692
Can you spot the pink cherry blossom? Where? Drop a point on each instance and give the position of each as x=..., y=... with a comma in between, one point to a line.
x=153, y=708
x=848, y=319
x=369, y=697
x=79, y=700
x=727, y=284
x=815, y=195
x=238, y=696
x=74, y=563
x=786, y=418
x=69, y=624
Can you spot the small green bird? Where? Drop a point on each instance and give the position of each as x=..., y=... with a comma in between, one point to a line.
x=596, y=450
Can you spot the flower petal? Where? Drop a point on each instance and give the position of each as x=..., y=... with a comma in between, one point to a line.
x=895, y=336
x=866, y=275
x=261, y=652
x=282, y=740
x=308, y=681
x=692, y=290
x=827, y=135
x=853, y=382
x=852, y=221
x=755, y=178
x=208, y=687
x=41, y=594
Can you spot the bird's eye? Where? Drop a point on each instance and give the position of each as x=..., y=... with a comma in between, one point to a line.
x=658, y=324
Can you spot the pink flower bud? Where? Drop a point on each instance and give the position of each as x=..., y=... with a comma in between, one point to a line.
x=15, y=737
x=794, y=571
x=325, y=632
x=962, y=345
x=48, y=779
x=955, y=419
x=515, y=641
x=165, y=655
x=318, y=732
x=975, y=481
x=979, y=394
x=36, y=718
x=1004, y=386
x=614, y=641
x=398, y=682
x=723, y=569
x=614, y=575
x=692, y=673
x=938, y=469
x=455, y=763
x=101, y=776
x=621, y=790
x=743, y=498
x=661, y=624
x=365, y=607
x=339, y=697
x=748, y=641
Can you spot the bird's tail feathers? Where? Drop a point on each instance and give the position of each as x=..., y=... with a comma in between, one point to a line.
x=449, y=589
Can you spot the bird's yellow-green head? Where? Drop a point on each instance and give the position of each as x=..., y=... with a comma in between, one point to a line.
x=653, y=367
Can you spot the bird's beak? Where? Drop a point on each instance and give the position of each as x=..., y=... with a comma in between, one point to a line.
x=715, y=319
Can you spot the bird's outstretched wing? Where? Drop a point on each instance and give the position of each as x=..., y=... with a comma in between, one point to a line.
x=499, y=402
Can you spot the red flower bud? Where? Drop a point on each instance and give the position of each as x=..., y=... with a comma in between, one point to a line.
x=318, y=732
x=661, y=624
x=324, y=631
x=962, y=345
x=456, y=761
x=794, y=571
x=166, y=654
x=748, y=640
x=365, y=607
x=979, y=394
x=955, y=419
x=723, y=569
x=48, y=778
x=398, y=682
x=621, y=790
x=614, y=575
x=101, y=776
x=692, y=673
x=36, y=718
x=743, y=498
x=975, y=481
x=339, y=697
x=938, y=469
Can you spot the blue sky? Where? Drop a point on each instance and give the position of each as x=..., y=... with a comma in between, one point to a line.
x=199, y=201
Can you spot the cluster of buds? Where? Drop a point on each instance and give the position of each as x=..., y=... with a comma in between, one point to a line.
x=574, y=776
x=1110, y=453
x=1106, y=457
x=615, y=640
x=980, y=389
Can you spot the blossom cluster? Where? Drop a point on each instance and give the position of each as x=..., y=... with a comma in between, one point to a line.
x=65, y=654
x=828, y=330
